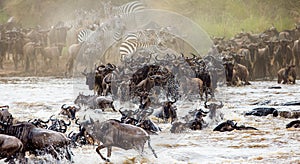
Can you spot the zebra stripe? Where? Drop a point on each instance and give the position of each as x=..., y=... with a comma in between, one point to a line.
x=123, y=10
x=84, y=35
x=88, y=35
x=130, y=7
x=133, y=41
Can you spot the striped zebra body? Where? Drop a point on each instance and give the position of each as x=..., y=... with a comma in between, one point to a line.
x=83, y=35
x=128, y=8
x=88, y=35
x=123, y=10
x=134, y=41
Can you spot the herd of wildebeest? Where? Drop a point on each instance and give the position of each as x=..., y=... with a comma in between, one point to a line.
x=143, y=79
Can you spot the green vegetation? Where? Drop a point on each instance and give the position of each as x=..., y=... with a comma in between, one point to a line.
x=228, y=17
x=217, y=17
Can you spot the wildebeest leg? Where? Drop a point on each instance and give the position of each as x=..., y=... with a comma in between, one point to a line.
x=149, y=145
x=21, y=158
x=53, y=152
x=10, y=160
x=109, y=151
x=98, y=151
x=112, y=106
x=69, y=154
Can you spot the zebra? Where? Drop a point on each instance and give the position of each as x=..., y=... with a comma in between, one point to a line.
x=146, y=39
x=84, y=34
x=113, y=28
x=123, y=10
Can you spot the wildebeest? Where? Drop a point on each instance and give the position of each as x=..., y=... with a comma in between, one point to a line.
x=95, y=102
x=229, y=125
x=39, y=140
x=114, y=133
x=197, y=123
x=290, y=114
x=58, y=125
x=296, y=53
x=294, y=124
x=5, y=115
x=140, y=119
x=287, y=75
x=145, y=101
x=178, y=127
x=263, y=111
x=72, y=55
x=39, y=123
x=193, y=85
x=168, y=111
x=30, y=54
x=235, y=73
x=58, y=35
x=10, y=146
x=51, y=57
x=69, y=111
x=94, y=78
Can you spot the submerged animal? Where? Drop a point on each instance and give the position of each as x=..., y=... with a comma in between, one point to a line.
x=229, y=125
x=264, y=111
x=294, y=124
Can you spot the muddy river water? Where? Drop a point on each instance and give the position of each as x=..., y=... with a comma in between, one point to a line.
x=32, y=97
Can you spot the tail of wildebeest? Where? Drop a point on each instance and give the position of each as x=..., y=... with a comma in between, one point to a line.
x=150, y=147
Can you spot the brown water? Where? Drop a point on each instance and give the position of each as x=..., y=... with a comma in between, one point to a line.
x=272, y=143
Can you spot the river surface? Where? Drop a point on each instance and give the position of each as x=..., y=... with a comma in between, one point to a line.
x=32, y=97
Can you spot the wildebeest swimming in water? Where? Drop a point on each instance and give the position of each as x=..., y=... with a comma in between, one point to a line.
x=38, y=141
x=229, y=125
x=264, y=111
x=195, y=124
x=294, y=124
x=139, y=119
x=291, y=103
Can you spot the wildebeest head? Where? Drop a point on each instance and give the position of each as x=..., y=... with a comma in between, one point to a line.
x=70, y=111
x=229, y=125
x=5, y=115
x=90, y=78
x=229, y=71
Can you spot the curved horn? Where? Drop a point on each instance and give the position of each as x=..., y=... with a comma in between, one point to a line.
x=91, y=120
x=63, y=107
x=76, y=121
x=4, y=106
x=194, y=56
x=44, y=121
x=100, y=68
x=121, y=113
x=52, y=118
x=172, y=102
x=156, y=58
x=69, y=135
x=67, y=124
